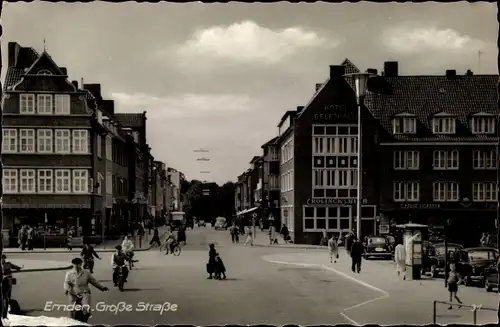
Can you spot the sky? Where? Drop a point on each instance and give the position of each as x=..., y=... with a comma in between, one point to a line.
x=220, y=76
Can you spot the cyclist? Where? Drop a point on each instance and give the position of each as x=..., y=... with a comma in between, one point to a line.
x=88, y=253
x=170, y=243
x=118, y=260
x=128, y=248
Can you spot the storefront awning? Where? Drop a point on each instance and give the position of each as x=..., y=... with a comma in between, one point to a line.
x=251, y=210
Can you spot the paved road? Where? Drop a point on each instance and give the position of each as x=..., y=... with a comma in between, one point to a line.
x=255, y=292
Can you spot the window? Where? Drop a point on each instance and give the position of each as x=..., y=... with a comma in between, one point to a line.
x=484, y=159
x=45, y=181
x=109, y=148
x=80, y=181
x=27, y=140
x=319, y=218
x=80, y=141
x=318, y=178
x=318, y=145
x=99, y=146
x=44, y=104
x=443, y=125
x=445, y=159
x=62, y=137
x=335, y=178
x=287, y=181
x=483, y=125
x=44, y=140
x=274, y=182
x=484, y=191
x=275, y=155
x=445, y=191
x=27, y=104
x=9, y=141
x=10, y=181
x=407, y=125
x=406, y=159
x=287, y=151
x=406, y=191
x=27, y=180
x=109, y=183
x=63, y=180
x=62, y=104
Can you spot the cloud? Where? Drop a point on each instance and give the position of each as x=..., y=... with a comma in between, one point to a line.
x=412, y=40
x=184, y=105
x=247, y=42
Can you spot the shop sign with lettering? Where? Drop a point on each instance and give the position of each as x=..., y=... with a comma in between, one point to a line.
x=420, y=206
x=333, y=201
x=335, y=112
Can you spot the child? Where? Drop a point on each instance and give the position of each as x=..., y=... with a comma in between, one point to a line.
x=454, y=279
x=220, y=269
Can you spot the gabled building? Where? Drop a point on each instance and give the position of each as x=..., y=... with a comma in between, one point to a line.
x=47, y=146
x=269, y=177
x=438, y=137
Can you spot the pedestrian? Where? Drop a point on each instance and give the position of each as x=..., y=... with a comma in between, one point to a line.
x=23, y=237
x=324, y=237
x=285, y=233
x=483, y=240
x=400, y=258
x=357, y=250
x=234, y=233
x=220, y=269
x=212, y=253
x=249, y=239
x=454, y=279
x=29, y=238
x=333, y=249
x=69, y=238
x=156, y=238
x=348, y=242
x=273, y=235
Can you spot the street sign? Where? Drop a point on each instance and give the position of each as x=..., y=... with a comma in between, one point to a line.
x=254, y=215
x=271, y=217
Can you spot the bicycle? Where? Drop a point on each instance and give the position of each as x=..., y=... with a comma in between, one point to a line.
x=175, y=248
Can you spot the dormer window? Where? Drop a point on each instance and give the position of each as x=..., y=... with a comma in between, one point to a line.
x=483, y=124
x=444, y=125
x=404, y=125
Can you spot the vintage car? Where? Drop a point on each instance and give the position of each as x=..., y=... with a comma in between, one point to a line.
x=435, y=257
x=202, y=223
x=472, y=263
x=220, y=223
x=378, y=247
x=491, y=278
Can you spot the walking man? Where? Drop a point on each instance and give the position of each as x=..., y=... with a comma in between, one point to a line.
x=333, y=249
x=357, y=251
x=400, y=258
x=324, y=237
x=156, y=238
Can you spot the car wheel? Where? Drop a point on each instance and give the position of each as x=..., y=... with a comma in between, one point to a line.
x=434, y=273
x=467, y=281
x=487, y=286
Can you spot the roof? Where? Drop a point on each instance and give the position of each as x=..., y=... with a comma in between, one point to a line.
x=254, y=159
x=426, y=96
x=26, y=58
x=285, y=116
x=271, y=141
x=44, y=56
x=350, y=68
x=132, y=120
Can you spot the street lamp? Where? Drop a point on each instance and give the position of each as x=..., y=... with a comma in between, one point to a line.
x=360, y=87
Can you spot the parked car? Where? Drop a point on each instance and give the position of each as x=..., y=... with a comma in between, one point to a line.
x=435, y=253
x=491, y=278
x=472, y=263
x=377, y=246
x=220, y=223
x=202, y=223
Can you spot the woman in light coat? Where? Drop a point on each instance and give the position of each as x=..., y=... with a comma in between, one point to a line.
x=400, y=258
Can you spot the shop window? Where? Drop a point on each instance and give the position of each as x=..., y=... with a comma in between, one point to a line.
x=321, y=213
x=344, y=223
x=309, y=223
x=333, y=223
x=309, y=212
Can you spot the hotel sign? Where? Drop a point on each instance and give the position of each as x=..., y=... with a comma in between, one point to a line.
x=420, y=206
x=311, y=201
x=334, y=112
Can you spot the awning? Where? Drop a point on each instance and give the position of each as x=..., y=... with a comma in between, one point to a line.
x=241, y=212
x=251, y=210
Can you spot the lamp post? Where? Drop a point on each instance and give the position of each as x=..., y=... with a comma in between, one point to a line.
x=497, y=220
x=360, y=87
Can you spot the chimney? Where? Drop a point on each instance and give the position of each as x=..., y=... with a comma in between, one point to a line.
x=318, y=86
x=95, y=89
x=300, y=108
x=469, y=72
x=337, y=71
x=391, y=68
x=372, y=71
x=451, y=74
x=13, y=53
x=64, y=70
x=109, y=106
x=75, y=84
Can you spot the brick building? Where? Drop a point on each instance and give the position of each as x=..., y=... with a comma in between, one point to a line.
x=438, y=137
x=269, y=177
x=47, y=145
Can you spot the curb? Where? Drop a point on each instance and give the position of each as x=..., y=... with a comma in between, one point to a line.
x=298, y=246
x=6, y=251
x=42, y=269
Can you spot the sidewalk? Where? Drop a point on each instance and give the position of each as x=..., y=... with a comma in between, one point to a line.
x=106, y=246
x=397, y=301
x=39, y=265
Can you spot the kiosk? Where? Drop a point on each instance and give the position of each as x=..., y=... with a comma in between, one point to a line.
x=412, y=240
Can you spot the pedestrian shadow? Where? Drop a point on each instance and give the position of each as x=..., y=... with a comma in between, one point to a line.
x=27, y=312
x=140, y=289
x=230, y=279
x=104, y=280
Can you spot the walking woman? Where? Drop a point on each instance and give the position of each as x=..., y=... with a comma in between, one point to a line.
x=249, y=239
x=211, y=265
